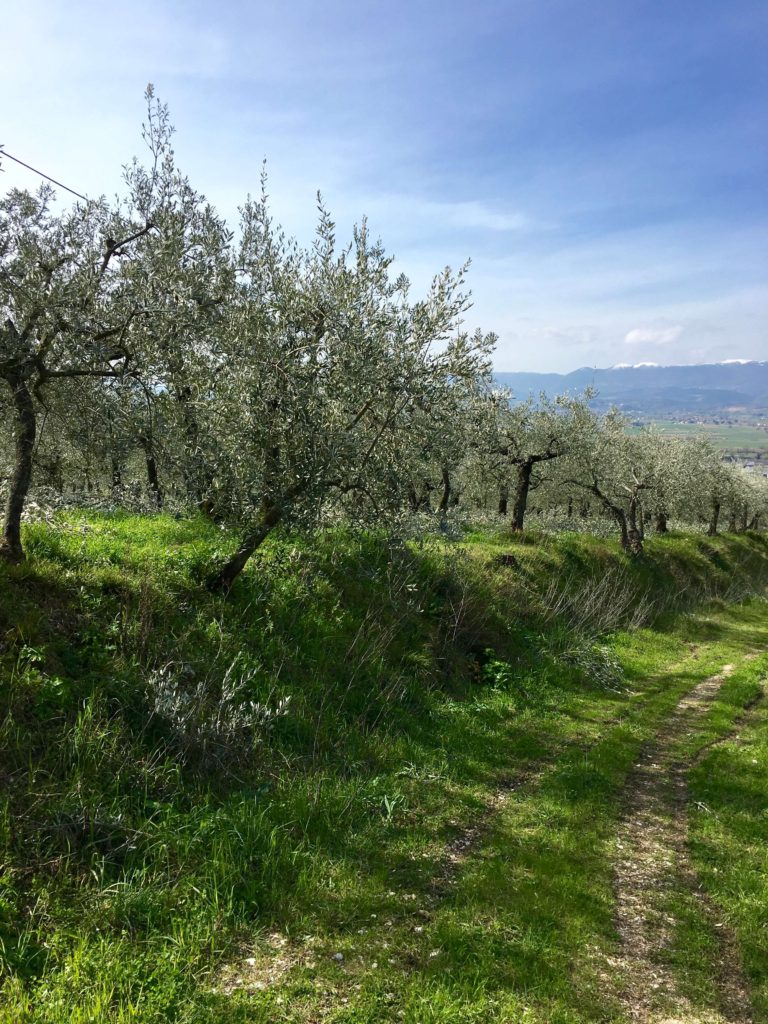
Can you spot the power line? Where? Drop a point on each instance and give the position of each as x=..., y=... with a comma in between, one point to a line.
x=47, y=177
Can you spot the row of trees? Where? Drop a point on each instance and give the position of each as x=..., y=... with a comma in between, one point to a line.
x=559, y=455
x=264, y=382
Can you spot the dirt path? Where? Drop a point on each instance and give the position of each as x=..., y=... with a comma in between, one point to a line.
x=653, y=861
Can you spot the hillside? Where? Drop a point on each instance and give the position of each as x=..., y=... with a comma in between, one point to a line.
x=379, y=782
x=659, y=391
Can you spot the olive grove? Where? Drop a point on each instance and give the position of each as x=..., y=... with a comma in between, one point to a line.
x=150, y=352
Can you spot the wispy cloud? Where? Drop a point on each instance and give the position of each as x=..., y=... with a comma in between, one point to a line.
x=653, y=335
x=474, y=214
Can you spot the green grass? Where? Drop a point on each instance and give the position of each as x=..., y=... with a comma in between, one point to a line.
x=527, y=930
x=730, y=829
x=143, y=863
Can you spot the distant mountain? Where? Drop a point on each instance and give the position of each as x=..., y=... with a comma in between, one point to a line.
x=733, y=388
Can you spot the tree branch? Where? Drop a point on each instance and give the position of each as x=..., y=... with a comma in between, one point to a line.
x=114, y=247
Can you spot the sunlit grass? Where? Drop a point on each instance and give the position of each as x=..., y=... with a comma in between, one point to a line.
x=422, y=679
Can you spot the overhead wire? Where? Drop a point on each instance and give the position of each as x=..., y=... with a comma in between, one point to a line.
x=4, y=152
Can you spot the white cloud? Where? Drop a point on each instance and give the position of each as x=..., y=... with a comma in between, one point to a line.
x=654, y=335
x=474, y=214
x=412, y=215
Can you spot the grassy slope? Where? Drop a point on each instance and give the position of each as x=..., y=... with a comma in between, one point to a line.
x=137, y=861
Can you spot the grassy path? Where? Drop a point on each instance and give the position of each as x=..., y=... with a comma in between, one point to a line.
x=652, y=861
x=536, y=916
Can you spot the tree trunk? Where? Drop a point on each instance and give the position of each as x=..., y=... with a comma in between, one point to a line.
x=442, y=507
x=425, y=504
x=116, y=473
x=632, y=514
x=153, y=478
x=503, y=500
x=445, y=499
x=634, y=544
x=712, y=530
x=413, y=498
x=629, y=535
x=197, y=477
x=641, y=520
x=57, y=474
x=26, y=431
x=222, y=580
x=524, y=471
x=661, y=522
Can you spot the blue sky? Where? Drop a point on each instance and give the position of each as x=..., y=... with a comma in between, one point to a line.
x=602, y=162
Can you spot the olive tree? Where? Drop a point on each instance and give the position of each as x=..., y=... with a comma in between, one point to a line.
x=186, y=277
x=125, y=292
x=618, y=468
x=522, y=438
x=66, y=315
x=330, y=378
x=747, y=499
x=444, y=434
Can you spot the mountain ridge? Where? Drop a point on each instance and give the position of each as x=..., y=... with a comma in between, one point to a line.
x=730, y=387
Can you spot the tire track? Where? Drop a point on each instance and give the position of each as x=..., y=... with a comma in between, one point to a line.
x=652, y=859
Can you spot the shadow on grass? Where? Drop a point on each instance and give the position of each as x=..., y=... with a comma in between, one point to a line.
x=395, y=738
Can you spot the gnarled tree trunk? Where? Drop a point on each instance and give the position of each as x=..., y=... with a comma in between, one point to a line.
x=620, y=516
x=714, y=519
x=223, y=578
x=631, y=541
x=524, y=471
x=26, y=431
